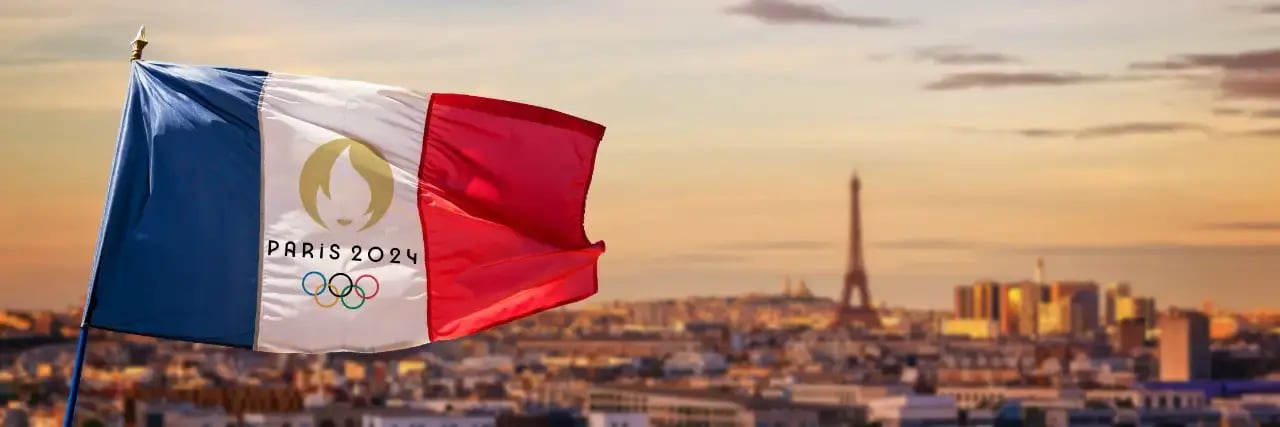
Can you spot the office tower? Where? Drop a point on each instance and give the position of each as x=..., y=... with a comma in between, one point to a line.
x=1049, y=317
x=1079, y=302
x=1131, y=334
x=1019, y=306
x=1146, y=309
x=1184, y=346
x=986, y=300
x=963, y=301
x=1114, y=292
x=1126, y=308
x=1137, y=308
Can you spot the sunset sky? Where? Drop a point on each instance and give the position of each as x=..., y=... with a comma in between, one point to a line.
x=1134, y=140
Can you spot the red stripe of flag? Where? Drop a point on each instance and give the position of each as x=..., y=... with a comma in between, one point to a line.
x=502, y=197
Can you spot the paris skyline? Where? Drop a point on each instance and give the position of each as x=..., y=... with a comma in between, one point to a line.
x=1118, y=143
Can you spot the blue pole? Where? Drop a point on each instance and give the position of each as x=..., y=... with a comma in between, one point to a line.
x=74, y=393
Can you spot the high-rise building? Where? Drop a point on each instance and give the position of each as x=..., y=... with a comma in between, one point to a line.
x=986, y=300
x=1019, y=309
x=1137, y=308
x=1184, y=347
x=1146, y=307
x=1084, y=312
x=1114, y=292
x=963, y=300
x=1131, y=334
x=1050, y=317
x=1080, y=310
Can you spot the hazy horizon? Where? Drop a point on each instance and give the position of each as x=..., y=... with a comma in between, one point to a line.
x=1120, y=141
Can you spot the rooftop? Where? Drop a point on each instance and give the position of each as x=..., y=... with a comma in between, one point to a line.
x=1212, y=388
x=746, y=401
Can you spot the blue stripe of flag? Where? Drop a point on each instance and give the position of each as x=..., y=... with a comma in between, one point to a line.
x=178, y=251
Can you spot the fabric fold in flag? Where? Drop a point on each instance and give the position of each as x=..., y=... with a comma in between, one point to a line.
x=291, y=213
x=502, y=246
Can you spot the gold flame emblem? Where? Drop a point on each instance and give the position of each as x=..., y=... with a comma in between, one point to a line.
x=369, y=164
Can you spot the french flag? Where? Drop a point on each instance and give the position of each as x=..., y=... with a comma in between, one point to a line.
x=299, y=214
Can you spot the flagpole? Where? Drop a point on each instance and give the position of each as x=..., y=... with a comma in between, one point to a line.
x=68, y=418
x=73, y=393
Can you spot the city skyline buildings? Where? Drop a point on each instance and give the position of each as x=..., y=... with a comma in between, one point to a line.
x=1034, y=308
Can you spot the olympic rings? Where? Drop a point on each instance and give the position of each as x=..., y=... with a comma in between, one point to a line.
x=340, y=295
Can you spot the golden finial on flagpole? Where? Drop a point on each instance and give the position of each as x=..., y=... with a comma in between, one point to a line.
x=139, y=42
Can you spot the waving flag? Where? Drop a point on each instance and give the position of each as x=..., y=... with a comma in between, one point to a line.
x=291, y=213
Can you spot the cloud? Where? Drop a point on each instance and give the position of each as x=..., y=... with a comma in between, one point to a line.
x=980, y=80
x=1152, y=249
x=1155, y=248
x=1256, y=60
x=1265, y=132
x=1251, y=85
x=933, y=244
x=1270, y=113
x=783, y=245
x=1251, y=74
x=879, y=57
x=1242, y=226
x=960, y=55
x=92, y=49
x=740, y=252
x=702, y=258
x=1257, y=9
x=795, y=12
x=1226, y=111
x=1117, y=130
x=1107, y=130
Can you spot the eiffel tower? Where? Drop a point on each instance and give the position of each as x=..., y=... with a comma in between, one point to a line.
x=855, y=276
